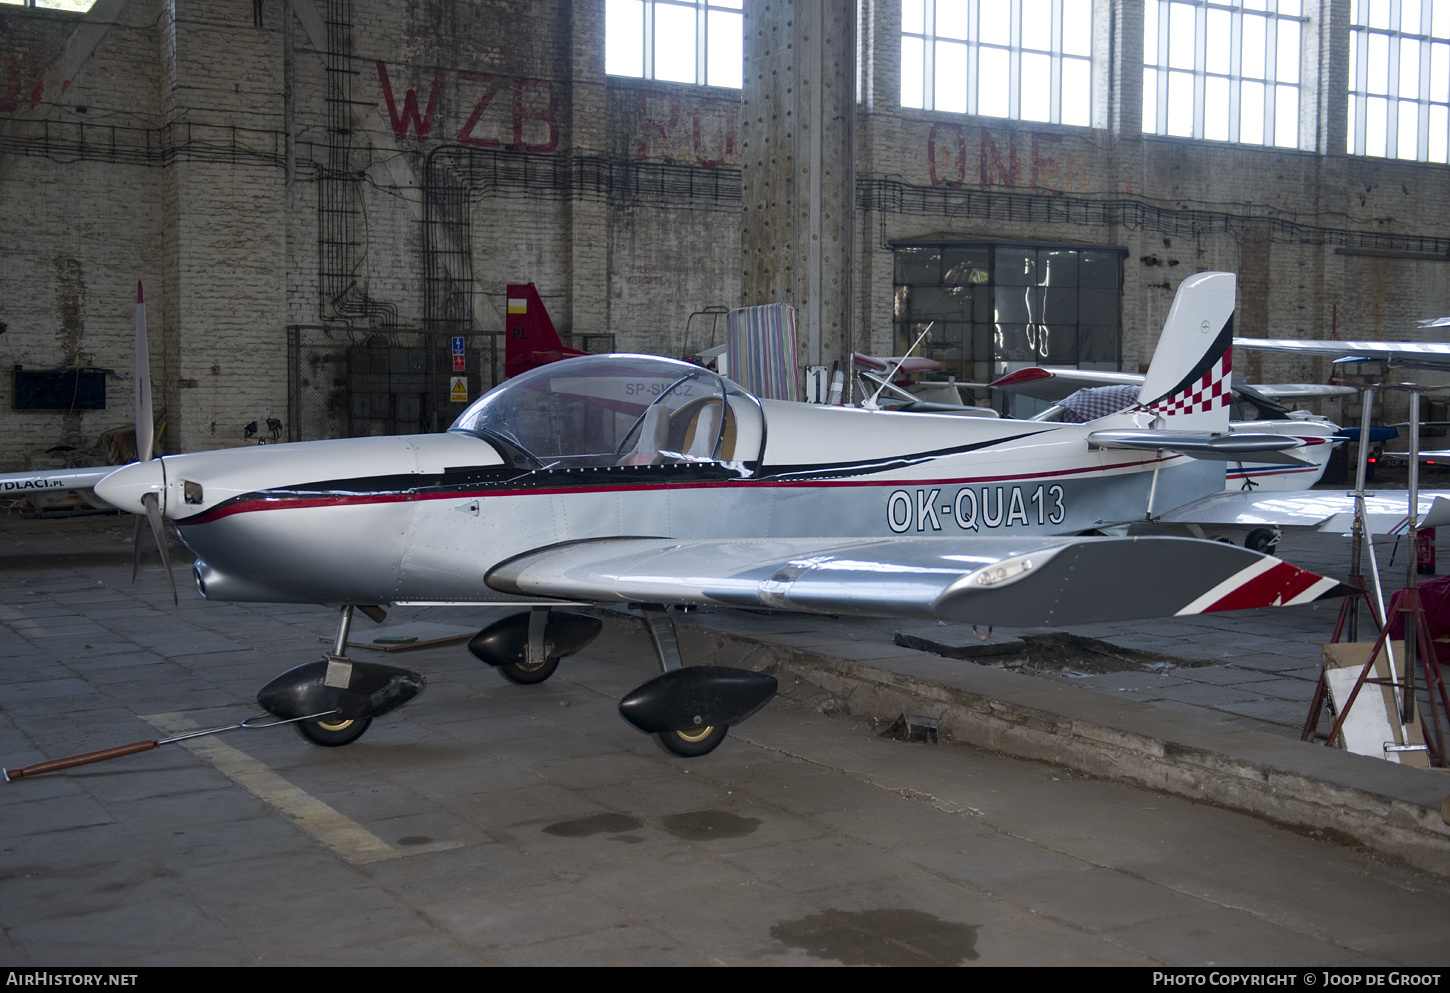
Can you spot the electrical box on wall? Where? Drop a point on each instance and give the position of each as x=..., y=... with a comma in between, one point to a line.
x=65, y=389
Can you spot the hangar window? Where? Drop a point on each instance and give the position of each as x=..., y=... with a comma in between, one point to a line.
x=1399, y=79
x=75, y=6
x=1223, y=71
x=956, y=55
x=681, y=41
x=1002, y=306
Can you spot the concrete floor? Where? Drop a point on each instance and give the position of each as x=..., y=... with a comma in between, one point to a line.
x=488, y=823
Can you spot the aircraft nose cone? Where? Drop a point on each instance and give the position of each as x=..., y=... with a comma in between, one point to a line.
x=124, y=488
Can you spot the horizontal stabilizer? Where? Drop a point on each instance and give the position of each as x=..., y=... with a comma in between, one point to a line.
x=1234, y=446
x=1028, y=581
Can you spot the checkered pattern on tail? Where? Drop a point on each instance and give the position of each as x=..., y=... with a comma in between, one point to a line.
x=1210, y=393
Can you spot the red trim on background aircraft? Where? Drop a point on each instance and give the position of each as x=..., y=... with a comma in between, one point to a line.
x=530, y=339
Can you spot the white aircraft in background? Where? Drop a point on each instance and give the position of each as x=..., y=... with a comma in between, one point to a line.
x=1410, y=354
x=1081, y=388
x=1401, y=354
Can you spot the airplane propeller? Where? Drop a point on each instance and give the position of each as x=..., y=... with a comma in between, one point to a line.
x=144, y=441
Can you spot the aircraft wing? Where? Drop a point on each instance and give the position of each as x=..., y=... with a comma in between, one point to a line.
x=1425, y=354
x=910, y=364
x=1053, y=384
x=1324, y=511
x=1438, y=457
x=1027, y=581
x=17, y=484
x=1303, y=391
x=1233, y=446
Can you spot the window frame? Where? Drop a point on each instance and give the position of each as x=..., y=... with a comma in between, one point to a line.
x=44, y=5
x=702, y=10
x=988, y=329
x=1157, y=74
x=930, y=41
x=1361, y=34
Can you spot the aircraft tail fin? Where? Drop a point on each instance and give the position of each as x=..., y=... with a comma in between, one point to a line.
x=529, y=336
x=1188, y=380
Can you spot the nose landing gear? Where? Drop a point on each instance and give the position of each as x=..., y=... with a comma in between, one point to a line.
x=350, y=693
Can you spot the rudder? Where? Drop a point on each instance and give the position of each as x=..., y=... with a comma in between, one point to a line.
x=1188, y=380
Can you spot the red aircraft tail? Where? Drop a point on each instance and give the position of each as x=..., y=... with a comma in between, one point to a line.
x=530, y=339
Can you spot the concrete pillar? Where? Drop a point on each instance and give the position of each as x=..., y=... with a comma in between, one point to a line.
x=878, y=143
x=589, y=130
x=1325, y=129
x=797, y=146
x=224, y=254
x=1326, y=64
x=1251, y=318
x=1118, y=66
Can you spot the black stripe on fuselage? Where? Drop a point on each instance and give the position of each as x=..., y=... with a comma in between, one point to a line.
x=868, y=466
x=467, y=482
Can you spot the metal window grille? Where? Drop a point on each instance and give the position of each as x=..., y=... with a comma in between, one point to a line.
x=682, y=41
x=999, y=306
x=1399, y=79
x=1026, y=60
x=1224, y=71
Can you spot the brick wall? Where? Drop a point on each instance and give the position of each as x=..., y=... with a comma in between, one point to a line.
x=205, y=153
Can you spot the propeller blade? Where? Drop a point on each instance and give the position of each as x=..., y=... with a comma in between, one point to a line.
x=136, y=547
x=145, y=426
x=153, y=513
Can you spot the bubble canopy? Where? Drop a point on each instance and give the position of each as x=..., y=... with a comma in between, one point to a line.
x=617, y=410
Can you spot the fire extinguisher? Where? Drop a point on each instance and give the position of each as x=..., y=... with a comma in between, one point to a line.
x=1425, y=554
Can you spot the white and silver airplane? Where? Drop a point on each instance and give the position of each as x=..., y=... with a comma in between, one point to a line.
x=640, y=480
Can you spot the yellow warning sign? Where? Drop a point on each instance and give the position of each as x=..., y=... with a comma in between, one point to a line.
x=459, y=389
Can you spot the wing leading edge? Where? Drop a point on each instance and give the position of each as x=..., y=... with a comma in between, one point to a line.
x=1422, y=354
x=52, y=481
x=1018, y=582
x=1332, y=513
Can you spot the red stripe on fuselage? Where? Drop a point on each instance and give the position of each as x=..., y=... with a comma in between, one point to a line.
x=362, y=499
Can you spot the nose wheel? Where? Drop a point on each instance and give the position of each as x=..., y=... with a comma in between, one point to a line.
x=333, y=734
x=332, y=701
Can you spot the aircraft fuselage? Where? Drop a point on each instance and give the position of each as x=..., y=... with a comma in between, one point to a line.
x=420, y=533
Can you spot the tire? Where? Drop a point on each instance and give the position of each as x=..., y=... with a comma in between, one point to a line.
x=528, y=675
x=1262, y=540
x=693, y=743
x=333, y=734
